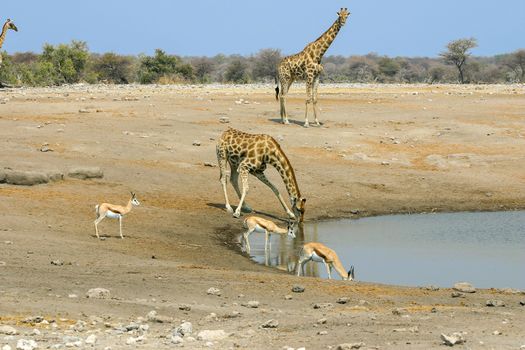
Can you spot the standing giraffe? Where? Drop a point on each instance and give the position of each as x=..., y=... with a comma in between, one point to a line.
x=7, y=25
x=307, y=65
x=250, y=154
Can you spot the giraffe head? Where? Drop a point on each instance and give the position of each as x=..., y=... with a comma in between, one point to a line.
x=11, y=25
x=298, y=208
x=343, y=15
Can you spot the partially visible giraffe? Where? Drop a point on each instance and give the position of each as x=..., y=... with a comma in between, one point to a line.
x=306, y=65
x=250, y=154
x=7, y=25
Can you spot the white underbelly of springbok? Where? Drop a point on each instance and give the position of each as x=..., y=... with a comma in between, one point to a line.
x=112, y=215
x=259, y=229
x=317, y=258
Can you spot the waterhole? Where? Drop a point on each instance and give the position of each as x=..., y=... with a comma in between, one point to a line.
x=486, y=249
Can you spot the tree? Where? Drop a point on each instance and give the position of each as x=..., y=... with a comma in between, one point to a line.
x=236, y=72
x=67, y=60
x=457, y=54
x=113, y=68
x=162, y=65
x=388, y=67
x=265, y=64
x=203, y=67
x=516, y=62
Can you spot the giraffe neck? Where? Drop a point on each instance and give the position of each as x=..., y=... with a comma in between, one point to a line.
x=4, y=32
x=322, y=44
x=283, y=166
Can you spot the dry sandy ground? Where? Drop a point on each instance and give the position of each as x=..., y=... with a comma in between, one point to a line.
x=381, y=149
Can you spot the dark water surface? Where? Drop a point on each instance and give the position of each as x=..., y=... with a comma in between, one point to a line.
x=486, y=249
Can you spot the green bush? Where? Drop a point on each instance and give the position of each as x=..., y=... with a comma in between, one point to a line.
x=237, y=72
x=113, y=68
x=167, y=68
x=64, y=63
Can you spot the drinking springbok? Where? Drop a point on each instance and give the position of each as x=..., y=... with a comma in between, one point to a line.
x=258, y=224
x=114, y=211
x=318, y=252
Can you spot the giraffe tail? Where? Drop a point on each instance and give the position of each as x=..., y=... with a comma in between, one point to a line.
x=277, y=88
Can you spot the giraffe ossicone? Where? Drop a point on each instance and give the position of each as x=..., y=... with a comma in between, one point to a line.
x=306, y=65
x=250, y=154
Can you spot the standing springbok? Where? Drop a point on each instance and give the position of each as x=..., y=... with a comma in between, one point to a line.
x=258, y=224
x=114, y=211
x=318, y=252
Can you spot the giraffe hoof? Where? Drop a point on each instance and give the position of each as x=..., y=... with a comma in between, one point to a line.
x=306, y=125
x=236, y=214
x=286, y=122
x=229, y=209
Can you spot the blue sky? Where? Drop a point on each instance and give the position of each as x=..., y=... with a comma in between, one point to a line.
x=210, y=27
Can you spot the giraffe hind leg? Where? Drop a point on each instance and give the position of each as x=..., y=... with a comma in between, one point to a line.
x=243, y=172
x=234, y=179
x=285, y=85
x=314, y=95
x=223, y=167
x=309, y=85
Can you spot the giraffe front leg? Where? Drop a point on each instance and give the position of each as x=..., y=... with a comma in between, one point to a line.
x=244, y=180
x=264, y=180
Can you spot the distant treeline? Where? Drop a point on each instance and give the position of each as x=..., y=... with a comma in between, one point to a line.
x=73, y=63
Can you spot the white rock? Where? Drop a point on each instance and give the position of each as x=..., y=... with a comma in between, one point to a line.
x=6, y=347
x=152, y=316
x=251, y=304
x=92, y=339
x=185, y=328
x=36, y=332
x=23, y=344
x=8, y=330
x=98, y=293
x=464, y=287
x=211, y=335
x=214, y=291
x=453, y=339
x=176, y=339
x=134, y=340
